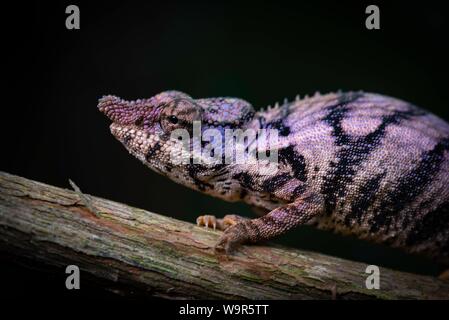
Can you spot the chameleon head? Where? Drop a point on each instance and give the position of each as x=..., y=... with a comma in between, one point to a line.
x=145, y=126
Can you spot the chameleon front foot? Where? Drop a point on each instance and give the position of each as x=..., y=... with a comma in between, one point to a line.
x=209, y=221
x=233, y=227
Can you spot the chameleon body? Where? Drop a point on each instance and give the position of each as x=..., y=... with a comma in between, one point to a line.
x=357, y=163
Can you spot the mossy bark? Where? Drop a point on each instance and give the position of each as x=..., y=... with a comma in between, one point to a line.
x=164, y=257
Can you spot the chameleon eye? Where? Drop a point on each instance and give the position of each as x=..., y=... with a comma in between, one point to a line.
x=173, y=119
x=139, y=121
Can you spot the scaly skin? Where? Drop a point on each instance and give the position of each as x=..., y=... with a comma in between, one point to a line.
x=357, y=163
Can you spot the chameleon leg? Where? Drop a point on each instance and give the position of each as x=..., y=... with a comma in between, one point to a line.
x=275, y=223
x=210, y=221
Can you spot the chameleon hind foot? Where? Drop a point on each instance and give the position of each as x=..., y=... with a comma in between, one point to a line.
x=231, y=225
x=209, y=221
x=234, y=236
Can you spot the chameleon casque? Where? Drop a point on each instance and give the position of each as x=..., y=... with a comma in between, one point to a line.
x=357, y=163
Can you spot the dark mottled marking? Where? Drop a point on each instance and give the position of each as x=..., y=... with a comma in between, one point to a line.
x=246, y=180
x=219, y=172
x=193, y=171
x=299, y=190
x=334, y=180
x=279, y=125
x=432, y=224
x=410, y=186
x=289, y=156
x=337, y=113
x=262, y=121
x=247, y=117
x=352, y=150
x=316, y=168
x=235, y=124
x=152, y=151
x=365, y=199
x=276, y=182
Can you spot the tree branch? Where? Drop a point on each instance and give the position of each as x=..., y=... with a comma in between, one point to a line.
x=168, y=258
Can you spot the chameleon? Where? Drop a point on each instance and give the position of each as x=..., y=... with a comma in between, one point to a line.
x=357, y=163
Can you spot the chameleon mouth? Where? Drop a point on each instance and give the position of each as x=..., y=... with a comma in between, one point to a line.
x=120, y=132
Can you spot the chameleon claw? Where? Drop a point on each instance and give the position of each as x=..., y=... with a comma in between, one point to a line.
x=207, y=221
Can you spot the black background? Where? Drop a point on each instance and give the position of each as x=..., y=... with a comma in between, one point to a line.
x=262, y=52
